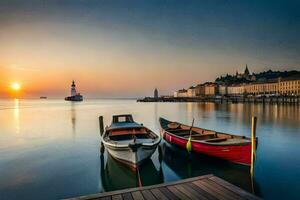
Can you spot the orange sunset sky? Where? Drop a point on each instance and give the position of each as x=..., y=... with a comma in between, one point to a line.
x=127, y=49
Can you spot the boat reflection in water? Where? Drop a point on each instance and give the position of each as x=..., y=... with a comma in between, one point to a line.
x=172, y=162
x=186, y=165
x=116, y=176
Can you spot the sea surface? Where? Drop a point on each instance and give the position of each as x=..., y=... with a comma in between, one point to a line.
x=49, y=149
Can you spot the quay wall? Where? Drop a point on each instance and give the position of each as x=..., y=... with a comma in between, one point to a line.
x=271, y=100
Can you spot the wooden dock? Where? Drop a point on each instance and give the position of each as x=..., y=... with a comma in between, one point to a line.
x=206, y=187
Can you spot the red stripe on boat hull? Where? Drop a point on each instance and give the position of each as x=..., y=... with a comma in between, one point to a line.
x=240, y=154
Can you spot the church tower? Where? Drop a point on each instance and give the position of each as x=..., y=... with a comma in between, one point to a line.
x=246, y=73
x=73, y=89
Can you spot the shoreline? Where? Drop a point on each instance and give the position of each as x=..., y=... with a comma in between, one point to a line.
x=237, y=99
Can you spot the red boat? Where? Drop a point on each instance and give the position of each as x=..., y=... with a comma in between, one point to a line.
x=234, y=148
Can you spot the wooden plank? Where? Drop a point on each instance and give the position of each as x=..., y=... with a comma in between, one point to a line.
x=117, y=197
x=191, y=195
x=176, y=192
x=99, y=195
x=222, y=189
x=196, y=193
x=212, y=192
x=204, y=187
x=158, y=194
x=229, y=186
x=137, y=195
x=106, y=198
x=127, y=196
x=168, y=193
x=148, y=195
x=203, y=192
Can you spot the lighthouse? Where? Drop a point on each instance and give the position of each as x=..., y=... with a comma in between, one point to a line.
x=73, y=89
x=74, y=95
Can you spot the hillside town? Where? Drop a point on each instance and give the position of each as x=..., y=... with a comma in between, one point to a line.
x=246, y=84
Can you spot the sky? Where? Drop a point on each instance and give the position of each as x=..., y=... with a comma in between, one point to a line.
x=117, y=48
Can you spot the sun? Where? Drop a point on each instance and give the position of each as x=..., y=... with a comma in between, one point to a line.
x=15, y=86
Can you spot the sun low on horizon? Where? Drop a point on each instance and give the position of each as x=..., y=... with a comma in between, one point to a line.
x=15, y=86
x=15, y=90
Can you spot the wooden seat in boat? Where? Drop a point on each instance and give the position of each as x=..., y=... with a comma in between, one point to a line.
x=216, y=140
x=202, y=136
x=184, y=133
x=128, y=131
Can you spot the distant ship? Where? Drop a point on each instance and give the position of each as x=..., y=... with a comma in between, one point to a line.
x=43, y=97
x=74, y=95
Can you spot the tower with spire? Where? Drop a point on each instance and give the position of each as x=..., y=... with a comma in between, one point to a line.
x=246, y=75
x=247, y=72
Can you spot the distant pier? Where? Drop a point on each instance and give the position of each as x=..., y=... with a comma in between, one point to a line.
x=202, y=187
x=238, y=99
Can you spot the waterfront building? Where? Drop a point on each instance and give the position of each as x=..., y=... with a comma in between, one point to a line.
x=200, y=90
x=275, y=87
x=223, y=90
x=155, y=94
x=236, y=90
x=175, y=94
x=246, y=84
x=206, y=89
x=191, y=92
x=181, y=93
x=289, y=86
x=210, y=89
x=270, y=88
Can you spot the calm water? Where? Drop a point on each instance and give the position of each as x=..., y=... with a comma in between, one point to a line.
x=50, y=148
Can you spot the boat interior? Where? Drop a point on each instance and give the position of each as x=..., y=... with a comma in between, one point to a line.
x=131, y=133
x=124, y=128
x=204, y=134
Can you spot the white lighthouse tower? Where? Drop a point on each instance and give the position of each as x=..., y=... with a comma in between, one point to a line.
x=74, y=95
x=73, y=89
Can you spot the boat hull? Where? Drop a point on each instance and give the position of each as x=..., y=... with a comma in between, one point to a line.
x=74, y=98
x=129, y=156
x=240, y=154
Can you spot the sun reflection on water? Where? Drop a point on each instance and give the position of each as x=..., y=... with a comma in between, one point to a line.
x=16, y=111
